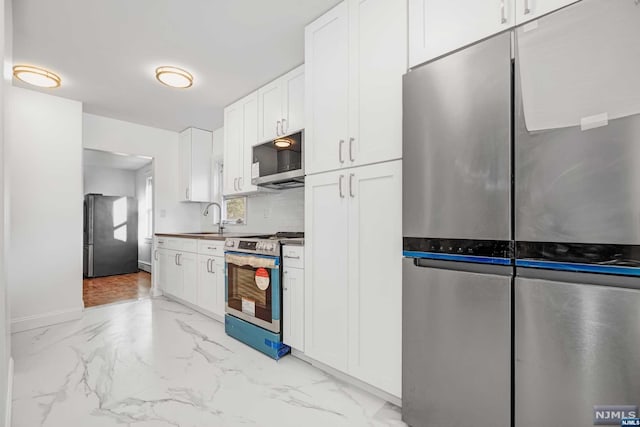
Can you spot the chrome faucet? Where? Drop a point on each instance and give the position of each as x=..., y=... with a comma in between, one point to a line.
x=206, y=212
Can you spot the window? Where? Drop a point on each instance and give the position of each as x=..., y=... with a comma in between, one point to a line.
x=148, y=196
x=235, y=210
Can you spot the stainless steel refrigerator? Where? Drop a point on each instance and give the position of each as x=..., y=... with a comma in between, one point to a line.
x=524, y=150
x=110, y=235
x=457, y=227
x=577, y=214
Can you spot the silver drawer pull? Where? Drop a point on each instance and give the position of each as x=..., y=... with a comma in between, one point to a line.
x=213, y=248
x=292, y=257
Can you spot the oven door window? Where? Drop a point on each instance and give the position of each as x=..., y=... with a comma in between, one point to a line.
x=250, y=289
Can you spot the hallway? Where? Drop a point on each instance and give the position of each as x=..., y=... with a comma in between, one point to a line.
x=110, y=289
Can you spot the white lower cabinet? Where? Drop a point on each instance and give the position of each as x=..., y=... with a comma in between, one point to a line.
x=293, y=302
x=197, y=278
x=210, y=284
x=353, y=272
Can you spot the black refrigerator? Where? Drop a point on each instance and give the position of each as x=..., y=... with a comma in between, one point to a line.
x=110, y=235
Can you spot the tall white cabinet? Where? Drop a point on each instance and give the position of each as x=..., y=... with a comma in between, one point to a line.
x=355, y=59
x=356, y=56
x=240, y=135
x=196, y=147
x=437, y=27
x=353, y=273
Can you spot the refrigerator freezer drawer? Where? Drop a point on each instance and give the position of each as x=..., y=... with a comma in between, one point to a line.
x=457, y=145
x=456, y=348
x=576, y=347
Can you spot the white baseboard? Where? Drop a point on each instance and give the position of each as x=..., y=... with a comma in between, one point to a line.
x=9, y=402
x=348, y=378
x=32, y=322
x=144, y=266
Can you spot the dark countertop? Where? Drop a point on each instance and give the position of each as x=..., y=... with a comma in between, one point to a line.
x=204, y=236
x=292, y=242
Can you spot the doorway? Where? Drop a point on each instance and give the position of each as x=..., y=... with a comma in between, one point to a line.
x=118, y=227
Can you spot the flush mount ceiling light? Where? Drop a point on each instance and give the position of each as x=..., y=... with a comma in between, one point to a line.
x=283, y=142
x=174, y=77
x=36, y=76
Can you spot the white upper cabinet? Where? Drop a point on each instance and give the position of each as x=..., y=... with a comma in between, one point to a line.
x=356, y=55
x=327, y=90
x=378, y=60
x=281, y=106
x=196, y=147
x=293, y=101
x=240, y=135
x=437, y=27
x=527, y=10
x=269, y=111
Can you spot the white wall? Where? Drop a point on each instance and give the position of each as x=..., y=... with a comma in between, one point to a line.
x=5, y=341
x=144, y=244
x=44, y=139
x=171, y=215
x=109, y=181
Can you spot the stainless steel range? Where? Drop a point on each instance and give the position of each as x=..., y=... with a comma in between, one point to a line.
x=253, y=291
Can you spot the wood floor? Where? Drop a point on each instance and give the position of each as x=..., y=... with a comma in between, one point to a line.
x=110, y=289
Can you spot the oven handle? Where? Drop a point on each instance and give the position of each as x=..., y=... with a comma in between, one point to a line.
x=252, y=261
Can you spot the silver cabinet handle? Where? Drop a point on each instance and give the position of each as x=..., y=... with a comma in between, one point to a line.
x=235, y=184
x=351, y=175
x=278, y=124
x=209, y=265
x=179, y=259
x=340, y=151
x=284, y=131
x=291, y=257
x=340, y=186
x=503, y=17
x=351, y=141
x=239, y=184
x=213, y=248
x=155, y=254
x=527, y=9
x=175, y=259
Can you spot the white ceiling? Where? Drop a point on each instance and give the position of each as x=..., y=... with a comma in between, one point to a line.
x=95, y=158
x=106, y=52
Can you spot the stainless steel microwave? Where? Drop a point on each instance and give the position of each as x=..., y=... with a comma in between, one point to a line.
x=279, y=164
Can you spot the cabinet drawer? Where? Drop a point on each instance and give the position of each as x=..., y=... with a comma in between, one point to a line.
x=211, y=247
x=293, y=256
x=177, y=244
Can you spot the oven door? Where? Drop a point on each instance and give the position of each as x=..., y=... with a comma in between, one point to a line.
x=253, y=289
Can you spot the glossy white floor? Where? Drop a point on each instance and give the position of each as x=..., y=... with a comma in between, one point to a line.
x=155, y=363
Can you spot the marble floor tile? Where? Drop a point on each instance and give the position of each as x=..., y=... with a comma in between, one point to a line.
x=156, y=363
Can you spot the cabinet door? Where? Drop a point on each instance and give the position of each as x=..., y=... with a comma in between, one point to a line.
x=219, y=268
x=526, y=10
x=249, y=139
x=170, y=273
x=293, y=307
x=326, y=273
x=293, y=101
x=326, y=90
x=233, y=148
x=200, y=178
x=184, y=178
x=188, y=265
x=437, y=27
x=378, y=60
x=206, y=296
x=270, y=111
x=375, y=275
